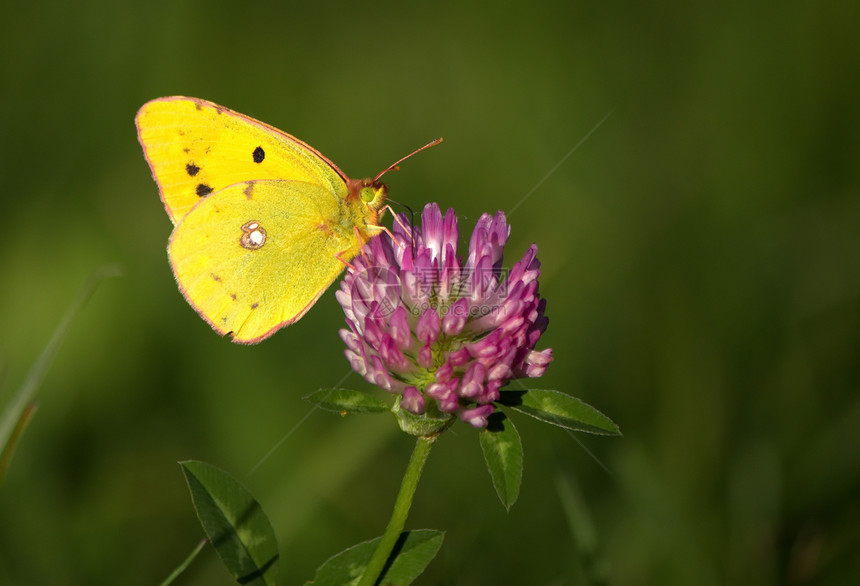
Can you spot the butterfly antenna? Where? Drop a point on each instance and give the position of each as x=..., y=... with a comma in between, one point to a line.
x=394, y=165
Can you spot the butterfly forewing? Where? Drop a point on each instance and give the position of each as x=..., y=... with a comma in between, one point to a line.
x=196, y=148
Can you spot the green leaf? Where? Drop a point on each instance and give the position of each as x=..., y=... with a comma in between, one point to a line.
x=503, y=453
x=412, y=554
x=9, y=449
x=560, y=409
x=346, y=401
x=17, y=413
x=234, y=522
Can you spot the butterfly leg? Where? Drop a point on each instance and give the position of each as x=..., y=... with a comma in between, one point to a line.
x=397, y=218
x=343, y=260
x=405, y=227
x=361, y=243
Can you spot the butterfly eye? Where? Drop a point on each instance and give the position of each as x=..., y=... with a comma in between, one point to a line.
x=370, y=193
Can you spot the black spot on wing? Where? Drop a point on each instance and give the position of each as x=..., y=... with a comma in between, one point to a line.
x=192, y=169
x=259, y=154
x=203, y=190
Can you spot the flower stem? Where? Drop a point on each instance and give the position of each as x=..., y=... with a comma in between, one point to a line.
x=401, y=509
x=184, y=565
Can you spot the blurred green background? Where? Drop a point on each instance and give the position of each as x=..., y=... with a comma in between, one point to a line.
x=700, y=261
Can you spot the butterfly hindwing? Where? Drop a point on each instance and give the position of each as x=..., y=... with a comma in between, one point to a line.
x=253, y=257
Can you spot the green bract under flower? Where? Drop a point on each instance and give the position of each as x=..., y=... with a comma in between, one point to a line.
x=444, y=332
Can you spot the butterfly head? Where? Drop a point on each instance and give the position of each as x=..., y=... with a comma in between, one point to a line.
x=371, y=192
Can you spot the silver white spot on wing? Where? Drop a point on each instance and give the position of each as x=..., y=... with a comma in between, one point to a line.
x=253, y=235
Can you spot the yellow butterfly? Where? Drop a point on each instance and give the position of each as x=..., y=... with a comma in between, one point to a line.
x=264, y=223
